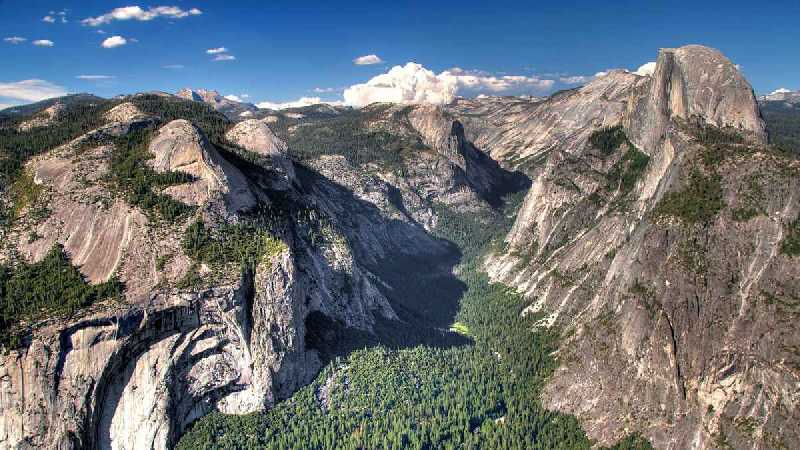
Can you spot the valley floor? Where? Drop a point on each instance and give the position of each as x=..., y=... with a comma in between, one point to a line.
x=481, y=395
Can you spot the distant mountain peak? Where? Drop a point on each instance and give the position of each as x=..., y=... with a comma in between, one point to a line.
x=231, y=108
x=782, y=95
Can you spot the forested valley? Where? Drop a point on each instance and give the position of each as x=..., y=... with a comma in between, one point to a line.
x=481, y=395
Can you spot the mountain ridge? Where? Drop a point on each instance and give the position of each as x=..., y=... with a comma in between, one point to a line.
x=254, y=250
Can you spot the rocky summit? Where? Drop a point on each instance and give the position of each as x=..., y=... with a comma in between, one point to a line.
x=615, y=264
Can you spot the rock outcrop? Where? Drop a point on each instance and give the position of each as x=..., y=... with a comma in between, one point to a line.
x=234, y=110
x=657, y=249
x=124, y=112
x=255, y=136
x=181, y=146
x=520, y=133
x=652, y=260
x=135, y=373
x=44, y=118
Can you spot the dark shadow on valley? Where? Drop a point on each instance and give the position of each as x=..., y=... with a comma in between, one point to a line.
x=414, y=269
x=415, y=273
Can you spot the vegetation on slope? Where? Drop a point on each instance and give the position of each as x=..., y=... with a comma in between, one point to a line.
x=783, y=125
x=626, y=172
x=349, y=134
x=608, y=139
x=484, y=395
x=139, y=184
x=52, y=286
x=17, y=146
x=699, y=202
x=790, y=245
x=213, y=123
x=243, y=243
x=623, y=175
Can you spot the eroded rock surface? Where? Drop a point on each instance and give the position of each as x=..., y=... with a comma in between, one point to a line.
x=674, y=320
x=134, y=373
x=682, y=327
x=181, y=146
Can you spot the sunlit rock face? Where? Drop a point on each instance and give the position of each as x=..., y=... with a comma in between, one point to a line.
x=681, y=329
x=668, y=325
x=135, y=372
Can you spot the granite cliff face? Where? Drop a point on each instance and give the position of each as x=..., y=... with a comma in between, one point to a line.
x=653, y=237
x=660, y=257
x=134, y=373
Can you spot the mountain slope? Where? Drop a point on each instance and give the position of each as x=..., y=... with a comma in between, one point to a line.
x=161, y=261
x=662, y=247
x=781, y=113
x=242, y=272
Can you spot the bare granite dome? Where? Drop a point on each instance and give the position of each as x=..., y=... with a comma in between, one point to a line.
x=181, y=146
x=255, y=136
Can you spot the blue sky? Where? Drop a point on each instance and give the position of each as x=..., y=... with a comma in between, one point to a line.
x=286, y=50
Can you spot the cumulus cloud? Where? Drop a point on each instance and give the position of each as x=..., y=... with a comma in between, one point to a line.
x=30, y=90
x=43, y=43
x=646, y=69
x=137, y=13
x=302, y=101
x=413, y=83
x=224, y=57
x=214, y=51
x=14, y=40
x=114, y=41
x=781, y=91
x=49, y=19
x=367, y=60
x=94, y=77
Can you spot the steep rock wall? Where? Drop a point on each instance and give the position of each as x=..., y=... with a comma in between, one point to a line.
x=666, y=323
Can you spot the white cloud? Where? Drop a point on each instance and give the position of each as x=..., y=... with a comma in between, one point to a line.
x=367, y=60
x=14, y=40
x=224, y=57
x=53, y=16
x=137, y=13
x=319, y=90
x=646, y=69
x=237, y=98
x=7, y=105
x=173, y=66
x=413, y=83
x=43, y=43
x=114, y=41
x=302, y=101
x=781, y=91
x=30, y=90
x=95, y=77
x=576, y=79
x=214, y=51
